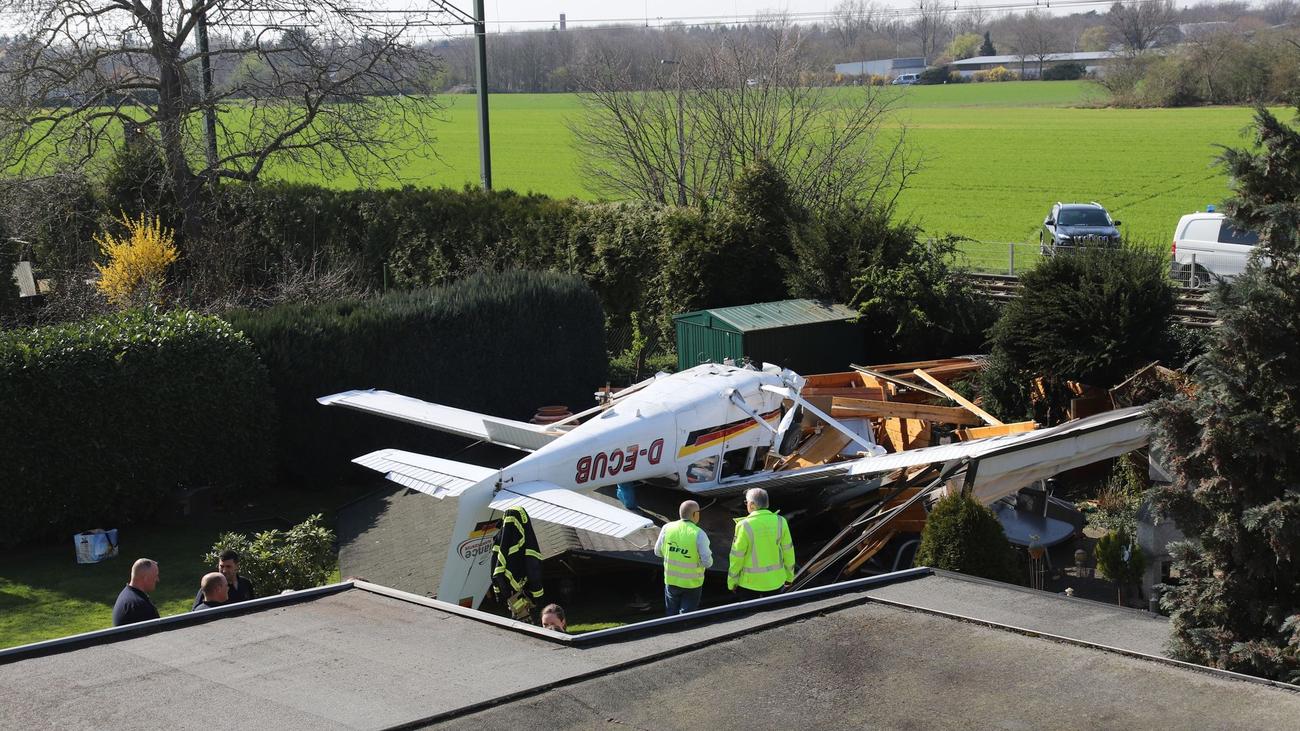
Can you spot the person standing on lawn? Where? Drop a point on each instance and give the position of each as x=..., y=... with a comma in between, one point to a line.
x=133, y=603
x=239, y=587
x=214, y=590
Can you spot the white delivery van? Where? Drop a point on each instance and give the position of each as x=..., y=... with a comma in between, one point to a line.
x=906, y=79
x=1206, y=246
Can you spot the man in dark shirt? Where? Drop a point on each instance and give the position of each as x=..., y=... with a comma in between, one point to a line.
x=213, y=590
x=133, y=604
x=239, y=588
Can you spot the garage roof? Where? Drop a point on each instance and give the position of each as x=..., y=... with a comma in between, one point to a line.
x=886, y=653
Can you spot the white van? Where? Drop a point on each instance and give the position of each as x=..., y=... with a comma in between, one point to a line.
x=907, y=79
x=1207, y=246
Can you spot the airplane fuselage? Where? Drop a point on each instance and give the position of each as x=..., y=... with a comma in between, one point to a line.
x=685, y=427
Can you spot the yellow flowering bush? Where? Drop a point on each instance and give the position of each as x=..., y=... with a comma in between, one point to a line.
x=137, y=261
x=997, y=73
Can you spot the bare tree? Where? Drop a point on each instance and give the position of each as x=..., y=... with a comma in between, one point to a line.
x=725, y=107
x=642, y=144
x=972, y=18
x=931, y=27
x=1278, y=12
x=1036, y=38
x=315, y=84
x=851, y=20
x=1143, y=23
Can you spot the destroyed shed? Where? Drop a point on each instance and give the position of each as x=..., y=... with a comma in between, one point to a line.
x=806, y=336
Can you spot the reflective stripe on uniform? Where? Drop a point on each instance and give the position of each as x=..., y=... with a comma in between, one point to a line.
x=762, y=565
x=682, y=563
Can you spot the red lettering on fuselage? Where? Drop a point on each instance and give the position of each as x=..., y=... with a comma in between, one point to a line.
x=606, y=464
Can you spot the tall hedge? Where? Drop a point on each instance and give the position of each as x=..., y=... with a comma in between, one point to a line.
x=104, y=419
x=502, y=344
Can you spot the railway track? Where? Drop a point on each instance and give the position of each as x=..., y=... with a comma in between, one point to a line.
x=1191, y=307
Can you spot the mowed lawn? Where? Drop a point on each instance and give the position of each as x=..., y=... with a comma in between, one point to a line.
x=45, y=594
x=996, y=155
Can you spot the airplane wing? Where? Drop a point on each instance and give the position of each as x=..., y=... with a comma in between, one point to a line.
x=1001, y=465
x=518, y=434
x=430, y=475
x=544, y=501
x=554, y=504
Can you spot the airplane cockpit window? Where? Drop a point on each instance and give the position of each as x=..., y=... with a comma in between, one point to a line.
x=735, y=462
x=702, y=470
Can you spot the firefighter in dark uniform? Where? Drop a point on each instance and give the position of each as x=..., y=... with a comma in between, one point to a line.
x=517, y=565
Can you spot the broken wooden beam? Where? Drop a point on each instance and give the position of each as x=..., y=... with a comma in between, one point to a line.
x=894, y=380
x=849, y=408
x=983, y=432
x=939, y=386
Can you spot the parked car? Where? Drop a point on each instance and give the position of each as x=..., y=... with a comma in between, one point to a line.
x=1207, y=246
x=1077, y=224
x=906, y=79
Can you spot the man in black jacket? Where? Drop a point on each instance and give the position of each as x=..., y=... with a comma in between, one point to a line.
x=240, y=589
x=133, y=604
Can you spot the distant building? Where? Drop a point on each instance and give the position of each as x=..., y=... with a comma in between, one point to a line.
x=890, y=67
x=1195, y=31
x=1094, y=62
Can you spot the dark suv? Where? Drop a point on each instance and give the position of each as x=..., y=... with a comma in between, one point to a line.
x=1077, y=224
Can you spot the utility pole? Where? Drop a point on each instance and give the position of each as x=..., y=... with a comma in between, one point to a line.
x=484, y=143
x=205, y=64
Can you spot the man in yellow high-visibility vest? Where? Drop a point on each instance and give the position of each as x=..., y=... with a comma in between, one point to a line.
x=762, y=553
x=686, y=554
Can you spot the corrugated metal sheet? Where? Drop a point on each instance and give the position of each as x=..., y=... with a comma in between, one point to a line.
x=769, y=315
x=805, y=335
x=699, y=343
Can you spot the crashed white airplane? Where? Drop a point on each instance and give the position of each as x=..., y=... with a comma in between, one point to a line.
x=706, y=431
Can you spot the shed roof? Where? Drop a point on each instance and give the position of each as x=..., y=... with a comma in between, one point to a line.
x=771, y=315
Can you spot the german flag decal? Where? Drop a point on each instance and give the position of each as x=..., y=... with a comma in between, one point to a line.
x=702, y=439
x=485, y=528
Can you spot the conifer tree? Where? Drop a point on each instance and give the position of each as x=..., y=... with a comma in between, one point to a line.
x=987, y=48
x=1232, y=445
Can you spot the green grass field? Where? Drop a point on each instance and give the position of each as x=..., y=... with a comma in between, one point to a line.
x=997, y=155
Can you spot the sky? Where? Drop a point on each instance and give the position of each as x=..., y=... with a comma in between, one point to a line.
x=516, y=15
x=505, y=15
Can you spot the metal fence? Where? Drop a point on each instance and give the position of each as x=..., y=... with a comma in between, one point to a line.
x=1196, y=270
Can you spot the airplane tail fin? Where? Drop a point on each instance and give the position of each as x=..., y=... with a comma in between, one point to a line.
x=466, y=573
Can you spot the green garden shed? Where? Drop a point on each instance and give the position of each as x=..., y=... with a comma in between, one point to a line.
x=806, y=336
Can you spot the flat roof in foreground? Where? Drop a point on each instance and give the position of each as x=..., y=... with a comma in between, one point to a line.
x=887, y=655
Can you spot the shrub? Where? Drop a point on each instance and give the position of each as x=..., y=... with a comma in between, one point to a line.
x=1121, y=498
x=962, y=535
x=1069, y=71
x=502, y=344
x=935, y=75
x=106, y=418
x=997, y=73
x=919, y=304
x=1091, y=316
x=1120, y=560
x=137, y=262
x=299, y=558
x=59, y=216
